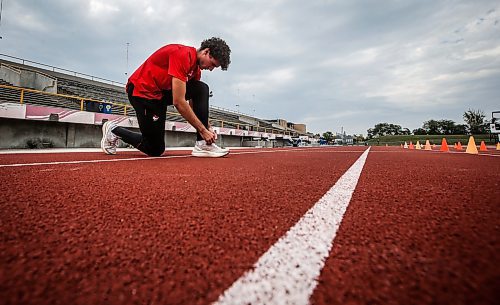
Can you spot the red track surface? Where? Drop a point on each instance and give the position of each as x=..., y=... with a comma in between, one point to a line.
x=422, y=227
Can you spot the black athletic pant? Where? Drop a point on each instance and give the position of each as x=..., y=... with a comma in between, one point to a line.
x=151, y=116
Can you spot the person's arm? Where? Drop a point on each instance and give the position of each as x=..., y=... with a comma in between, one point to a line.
x=179, y=101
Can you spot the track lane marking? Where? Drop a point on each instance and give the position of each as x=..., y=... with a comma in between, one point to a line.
x=88, y=161
x=287, y=273
x=165, y=157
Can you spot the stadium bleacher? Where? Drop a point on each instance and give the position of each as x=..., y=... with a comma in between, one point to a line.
x=9, y=95
x=92, y=92
x=69, y=86
x=2, y=82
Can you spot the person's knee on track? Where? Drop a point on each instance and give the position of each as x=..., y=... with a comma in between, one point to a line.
x=156, y=151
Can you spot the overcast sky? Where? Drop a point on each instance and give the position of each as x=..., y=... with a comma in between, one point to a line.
x=328, y=64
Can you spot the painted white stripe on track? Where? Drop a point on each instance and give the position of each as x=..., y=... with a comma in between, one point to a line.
x=89, y=161
x=287, y=273
x=165, y=157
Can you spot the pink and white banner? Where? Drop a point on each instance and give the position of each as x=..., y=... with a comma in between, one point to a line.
x=64, y=115
x=13, y=111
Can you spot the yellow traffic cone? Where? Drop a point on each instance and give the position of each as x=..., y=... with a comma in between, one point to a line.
x=418, y=146
x=427, y=145
x=471, y=146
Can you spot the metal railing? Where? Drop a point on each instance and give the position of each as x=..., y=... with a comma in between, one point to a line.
x=56, y=69
x=78, y=100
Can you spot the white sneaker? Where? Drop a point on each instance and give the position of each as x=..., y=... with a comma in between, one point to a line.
x=201, y=149
x=109, y=140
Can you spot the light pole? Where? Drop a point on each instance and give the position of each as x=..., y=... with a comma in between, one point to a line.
x=253, y=103
x=126, y=72
x=1, y=10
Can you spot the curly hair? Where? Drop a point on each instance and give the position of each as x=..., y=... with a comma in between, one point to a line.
x=219, y=50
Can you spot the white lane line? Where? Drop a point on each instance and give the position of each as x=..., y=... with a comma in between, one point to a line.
x=88, y=161
x=98, y=150
x=153, y=158
x=287, y=273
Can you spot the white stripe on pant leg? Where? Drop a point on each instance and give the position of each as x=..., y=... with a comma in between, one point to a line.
x=287, y=272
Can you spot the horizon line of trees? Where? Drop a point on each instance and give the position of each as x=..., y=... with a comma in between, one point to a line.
x=474, y=119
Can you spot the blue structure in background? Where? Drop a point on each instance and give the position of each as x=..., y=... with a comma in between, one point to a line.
x=105, y=108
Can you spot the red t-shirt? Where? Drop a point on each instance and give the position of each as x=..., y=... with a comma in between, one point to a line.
x=155, y=74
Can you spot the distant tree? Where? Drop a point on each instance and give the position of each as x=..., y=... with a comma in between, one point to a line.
x=475, y=121
x=441, y=127
x=328, y=136
x=446, y=127
x=419, y=131
x=406, y=132
x=460, y=129
x=378, y=130
x=358, y=138
x=370, y=133
x=395, y=129
x=384, y=129
x=431, y=127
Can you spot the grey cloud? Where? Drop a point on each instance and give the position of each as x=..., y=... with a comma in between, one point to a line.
x=329, y=64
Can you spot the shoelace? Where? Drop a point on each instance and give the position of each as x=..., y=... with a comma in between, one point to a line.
x=206, y=147
x=114, y=140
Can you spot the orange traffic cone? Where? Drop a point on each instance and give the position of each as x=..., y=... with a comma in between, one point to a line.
x=455, y=145
x=471, y=146
x=483, y=147
x=411, y=145
x=459, y=146
x=427, y=145
x=444, y=145
x=498, y=146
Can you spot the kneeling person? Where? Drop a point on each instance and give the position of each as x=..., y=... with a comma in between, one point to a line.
x=171, y=76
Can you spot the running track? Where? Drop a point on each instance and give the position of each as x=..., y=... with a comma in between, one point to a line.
x=271, y=226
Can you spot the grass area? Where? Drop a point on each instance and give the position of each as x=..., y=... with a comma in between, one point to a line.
x=433, y=139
